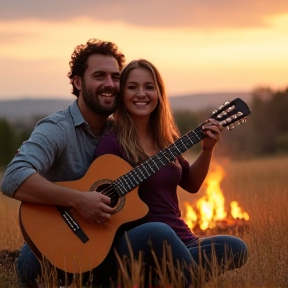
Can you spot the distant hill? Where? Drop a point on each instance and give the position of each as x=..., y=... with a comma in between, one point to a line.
x=196, y=102
x=29, y=109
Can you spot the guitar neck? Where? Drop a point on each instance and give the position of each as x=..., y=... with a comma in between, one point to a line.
x=132, y=179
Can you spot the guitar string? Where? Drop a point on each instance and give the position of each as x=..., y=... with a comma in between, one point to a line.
x=110, y=190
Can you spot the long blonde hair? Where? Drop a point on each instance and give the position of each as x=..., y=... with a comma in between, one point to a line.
x=162, y=124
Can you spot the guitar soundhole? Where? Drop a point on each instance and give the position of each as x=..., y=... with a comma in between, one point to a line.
x=108, y=190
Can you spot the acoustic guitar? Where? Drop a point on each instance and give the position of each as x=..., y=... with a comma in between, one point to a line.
x=72, y=244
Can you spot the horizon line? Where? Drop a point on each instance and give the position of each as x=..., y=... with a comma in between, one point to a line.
x=54, y=97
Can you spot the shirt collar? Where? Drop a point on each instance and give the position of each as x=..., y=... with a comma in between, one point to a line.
x=78, y=119
x=76, y=114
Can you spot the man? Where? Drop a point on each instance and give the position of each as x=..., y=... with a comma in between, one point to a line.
x=62, y=146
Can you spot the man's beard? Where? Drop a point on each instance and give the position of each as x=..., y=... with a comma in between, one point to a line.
x=91, y=100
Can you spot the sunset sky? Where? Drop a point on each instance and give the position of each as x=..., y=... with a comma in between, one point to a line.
x=199, y=46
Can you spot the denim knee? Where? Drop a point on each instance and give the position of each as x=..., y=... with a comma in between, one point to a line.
x=240, y=252
x=235, y=246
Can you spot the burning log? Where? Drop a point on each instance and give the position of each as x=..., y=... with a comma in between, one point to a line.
x=209, y=216
x=235, y=227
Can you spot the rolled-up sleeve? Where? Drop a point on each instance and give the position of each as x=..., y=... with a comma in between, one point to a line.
x=36, y=155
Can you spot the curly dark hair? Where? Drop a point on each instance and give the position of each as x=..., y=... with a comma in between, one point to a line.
x=78, y=63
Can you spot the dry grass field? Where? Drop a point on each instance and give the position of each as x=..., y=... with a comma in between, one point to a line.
x=260, y=187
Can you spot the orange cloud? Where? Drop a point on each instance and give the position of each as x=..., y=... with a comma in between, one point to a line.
x=35, y=54
x=208, y=14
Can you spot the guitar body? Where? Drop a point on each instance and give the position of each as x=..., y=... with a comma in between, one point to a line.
x=50, y=237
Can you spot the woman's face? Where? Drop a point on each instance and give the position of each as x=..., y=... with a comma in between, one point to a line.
x=140, y=95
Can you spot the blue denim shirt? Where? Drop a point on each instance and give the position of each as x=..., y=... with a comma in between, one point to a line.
x=61, y=148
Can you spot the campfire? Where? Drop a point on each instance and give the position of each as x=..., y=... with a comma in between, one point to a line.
x=209, y=214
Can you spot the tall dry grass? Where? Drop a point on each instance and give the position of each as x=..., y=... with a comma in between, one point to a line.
x=260, y=187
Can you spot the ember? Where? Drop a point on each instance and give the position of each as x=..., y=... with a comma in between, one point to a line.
x=209, y=213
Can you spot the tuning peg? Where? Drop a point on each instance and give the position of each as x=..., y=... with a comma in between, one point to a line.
x=231, y=126
x=230, y=108
x=215, y=111
x=243, y=120
x=226, y=103
x=223, y=105
x=222, y=114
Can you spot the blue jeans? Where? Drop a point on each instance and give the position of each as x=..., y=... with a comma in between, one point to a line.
x=143, y=238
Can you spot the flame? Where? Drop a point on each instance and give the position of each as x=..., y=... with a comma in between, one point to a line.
x=211, y=207
x=238, y=212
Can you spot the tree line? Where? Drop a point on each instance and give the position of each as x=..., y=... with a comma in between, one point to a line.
x=11, y=138
x=265, y=133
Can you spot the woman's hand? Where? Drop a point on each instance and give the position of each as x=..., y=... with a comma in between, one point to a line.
x=212, y=128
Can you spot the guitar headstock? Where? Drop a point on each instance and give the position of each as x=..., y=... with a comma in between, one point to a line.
x=232, y=113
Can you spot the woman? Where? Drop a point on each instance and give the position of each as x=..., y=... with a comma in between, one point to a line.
x=143, y=126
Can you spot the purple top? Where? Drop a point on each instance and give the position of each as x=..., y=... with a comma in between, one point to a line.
x=159, y=191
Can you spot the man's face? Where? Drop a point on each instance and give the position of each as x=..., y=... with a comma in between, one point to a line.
x=100, y=84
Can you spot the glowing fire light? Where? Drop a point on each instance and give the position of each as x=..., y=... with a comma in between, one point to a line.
x=237, y=212
x=211, y=207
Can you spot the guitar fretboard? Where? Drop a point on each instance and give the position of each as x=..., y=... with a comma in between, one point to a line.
x=230, y=113
x=132, y=179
